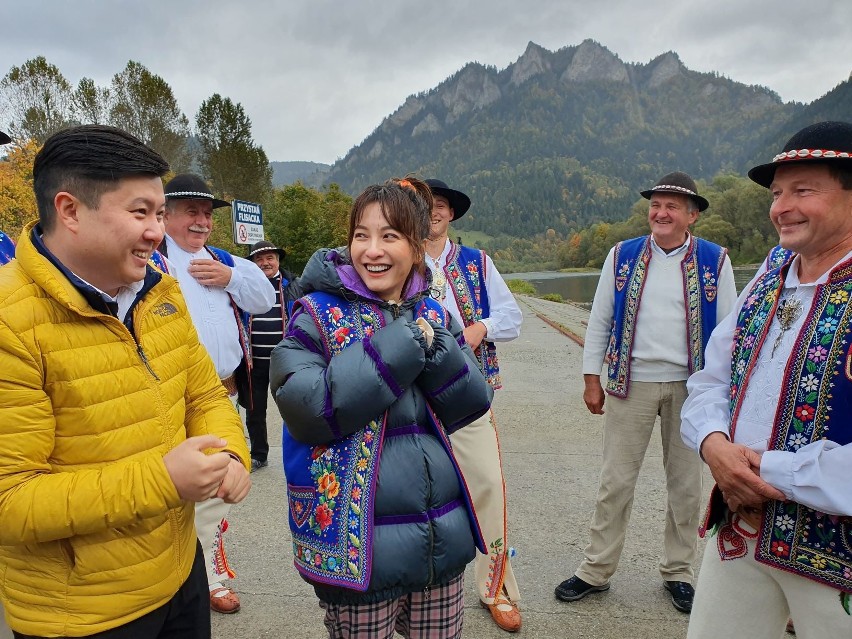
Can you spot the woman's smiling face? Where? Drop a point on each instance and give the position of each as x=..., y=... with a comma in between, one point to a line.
x=381, y=255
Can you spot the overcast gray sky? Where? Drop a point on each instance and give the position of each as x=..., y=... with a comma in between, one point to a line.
x=317, y=76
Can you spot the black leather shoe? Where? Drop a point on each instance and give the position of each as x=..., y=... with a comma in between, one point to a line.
x=575, y=588
x=682, y=595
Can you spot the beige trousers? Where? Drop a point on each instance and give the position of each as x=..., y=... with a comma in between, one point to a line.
x=742, y=597
x=627, y=431
x=477, y=450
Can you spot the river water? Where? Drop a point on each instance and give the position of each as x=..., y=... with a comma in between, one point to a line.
x=580, y=287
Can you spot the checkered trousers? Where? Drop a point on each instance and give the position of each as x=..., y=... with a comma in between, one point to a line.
x=434, y=614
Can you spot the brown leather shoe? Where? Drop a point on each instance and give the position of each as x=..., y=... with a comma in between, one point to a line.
x=224, y=600
x=505, y=613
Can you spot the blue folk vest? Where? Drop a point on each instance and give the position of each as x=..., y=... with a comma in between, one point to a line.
x=465, y=271
x=700, y=268
x=331, y=488
x=815, y=403
x=7, y=249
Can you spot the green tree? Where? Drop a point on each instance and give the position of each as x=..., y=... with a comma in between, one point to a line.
x=143, y=104
x=37, y=99
x=91, y=102
x=302, y=220
x=715, y=229
x=229, y=158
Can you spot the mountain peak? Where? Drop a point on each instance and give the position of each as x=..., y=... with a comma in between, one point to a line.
x=593, y=61
x=534, y=61
x=664, y=67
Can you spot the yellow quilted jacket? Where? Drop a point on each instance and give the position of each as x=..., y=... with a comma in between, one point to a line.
x=92, y=531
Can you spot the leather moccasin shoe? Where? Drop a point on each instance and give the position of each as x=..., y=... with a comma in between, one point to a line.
x=505, y=613
x=224, y=600
x=682, y=595
x=574, y=589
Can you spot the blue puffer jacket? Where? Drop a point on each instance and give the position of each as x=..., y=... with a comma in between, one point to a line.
x=416, y=476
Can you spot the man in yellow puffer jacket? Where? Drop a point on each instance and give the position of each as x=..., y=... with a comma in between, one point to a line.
x=113, y=421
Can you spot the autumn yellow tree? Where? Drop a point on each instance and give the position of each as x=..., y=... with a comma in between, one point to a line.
x=17, y=200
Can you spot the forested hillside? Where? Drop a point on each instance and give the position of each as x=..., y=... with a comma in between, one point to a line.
x=308, y=173
x=561, y=140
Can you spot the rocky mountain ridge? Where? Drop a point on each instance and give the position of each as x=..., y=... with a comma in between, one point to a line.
x=560, y=139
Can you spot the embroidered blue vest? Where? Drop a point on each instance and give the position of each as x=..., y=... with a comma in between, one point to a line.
x=700, y=267
x=331, y=488
x=815, y=403
x=7, y=249
x=465, y=271
x=778, y=257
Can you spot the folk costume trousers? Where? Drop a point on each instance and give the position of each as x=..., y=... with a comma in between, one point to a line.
x=210, y=526
x=744, y=597
x=627, y=432
x=434, y=614
x=477, y=450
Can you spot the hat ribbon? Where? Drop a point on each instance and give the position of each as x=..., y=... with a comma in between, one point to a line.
x=192, y=193
x=672, y=187
x=797, y=154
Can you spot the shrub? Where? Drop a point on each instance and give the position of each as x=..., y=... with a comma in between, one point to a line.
x=521, y=287
x=553, y=297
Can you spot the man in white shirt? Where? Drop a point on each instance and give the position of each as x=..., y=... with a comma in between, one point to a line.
x=770, y=412
x=685, y=286
x=466, y=282
x=220, y=291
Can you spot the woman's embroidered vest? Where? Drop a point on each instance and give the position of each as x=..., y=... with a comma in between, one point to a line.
x=465, y=271
x=815, y=403
x=700, y=268
x=331, y=488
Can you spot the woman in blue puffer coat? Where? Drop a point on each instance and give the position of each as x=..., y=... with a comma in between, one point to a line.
x=370, y=378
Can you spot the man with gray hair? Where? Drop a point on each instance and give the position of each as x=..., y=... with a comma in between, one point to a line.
x=221, y=291
x=684, y=285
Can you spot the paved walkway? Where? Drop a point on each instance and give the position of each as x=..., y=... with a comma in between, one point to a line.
x=551, y=448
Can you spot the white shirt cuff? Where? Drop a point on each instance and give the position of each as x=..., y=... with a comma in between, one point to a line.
x=776, y=469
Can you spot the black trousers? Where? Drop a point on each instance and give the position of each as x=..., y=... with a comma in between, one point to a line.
x=184, y=616
x=256, y=417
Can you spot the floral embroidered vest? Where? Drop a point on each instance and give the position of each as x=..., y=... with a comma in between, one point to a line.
x=465, y=271
x=815, y=403
x=700, y=268
x=331, y=488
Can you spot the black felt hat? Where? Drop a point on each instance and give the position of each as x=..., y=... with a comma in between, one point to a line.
x=187, y=186
x=459, y=202
x=820, y=143
x=680, y=183
x=265, y=247
x=4, y=139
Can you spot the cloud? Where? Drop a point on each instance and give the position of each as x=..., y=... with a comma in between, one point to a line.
x=316, y=76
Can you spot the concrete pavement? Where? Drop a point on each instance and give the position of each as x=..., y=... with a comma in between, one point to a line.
x=551, y=455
